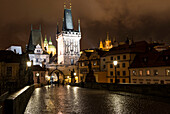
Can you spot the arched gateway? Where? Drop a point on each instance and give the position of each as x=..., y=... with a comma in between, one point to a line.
x=60, y=75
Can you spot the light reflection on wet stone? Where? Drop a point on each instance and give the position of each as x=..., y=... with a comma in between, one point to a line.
x=67, y=99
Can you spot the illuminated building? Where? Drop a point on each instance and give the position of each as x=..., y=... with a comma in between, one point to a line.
x=39, y=57
x=49, y=47
x=125, y=55
x=151, y=68
x=68, y=40
x=107, y=44
x=15, y=49
x=93, y=56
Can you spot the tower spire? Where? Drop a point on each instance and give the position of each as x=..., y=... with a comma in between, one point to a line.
x=108, y=36
x=50, y=42
x=79, y=25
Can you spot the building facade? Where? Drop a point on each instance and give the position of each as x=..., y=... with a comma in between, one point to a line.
x=124, y=55
x=92, y=56
x=39, y=57
x=151, y=68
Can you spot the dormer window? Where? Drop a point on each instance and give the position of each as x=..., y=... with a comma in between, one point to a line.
x=166, y=58
x=145, y=59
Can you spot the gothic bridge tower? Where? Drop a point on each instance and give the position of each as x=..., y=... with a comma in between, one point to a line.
x=68, y=40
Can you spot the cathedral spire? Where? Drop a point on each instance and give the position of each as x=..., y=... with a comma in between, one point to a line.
x=107, y=36
x=79, y=25
x=101, y=45
x=50, y=42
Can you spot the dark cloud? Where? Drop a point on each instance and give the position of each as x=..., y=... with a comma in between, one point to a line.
x=143, y=19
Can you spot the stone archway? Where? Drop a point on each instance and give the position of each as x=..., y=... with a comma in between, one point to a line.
x=60, y=75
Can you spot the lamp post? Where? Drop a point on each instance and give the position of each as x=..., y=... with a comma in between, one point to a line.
x=115, y=64
x=38, y=79
x=29, y=64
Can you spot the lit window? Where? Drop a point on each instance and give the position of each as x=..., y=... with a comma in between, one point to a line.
x=155, y=72
x=148, y=72
x=95, y=63
x=134, y=72
x=82, y=64
x=167, y=72
x=140, y=72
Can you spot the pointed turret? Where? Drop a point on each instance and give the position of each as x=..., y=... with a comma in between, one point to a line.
x=107, y=36
x=50, y=42
x=79, y=25
x=67, y=21
x=101, y=45
x=45, y=40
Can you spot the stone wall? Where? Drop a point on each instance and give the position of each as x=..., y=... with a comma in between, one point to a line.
x=147, y=89
x=16, y=102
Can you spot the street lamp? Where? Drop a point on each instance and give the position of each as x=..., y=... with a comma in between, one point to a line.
x=74, y=74
x=38, y=79
x=29, y=71
x=115, y=64
x=29, y=63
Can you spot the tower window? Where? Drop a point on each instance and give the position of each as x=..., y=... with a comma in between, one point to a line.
x=72, y=61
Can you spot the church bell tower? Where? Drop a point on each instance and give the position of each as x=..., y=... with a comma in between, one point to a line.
x=68, y=40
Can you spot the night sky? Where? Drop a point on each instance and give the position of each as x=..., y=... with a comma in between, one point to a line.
x=144, y=19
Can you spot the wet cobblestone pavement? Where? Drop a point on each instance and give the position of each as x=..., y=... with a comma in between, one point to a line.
x=75, y=100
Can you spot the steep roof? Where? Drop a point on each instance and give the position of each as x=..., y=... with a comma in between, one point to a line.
x=137, y=47
x=35, y=38
x=152, y=59
x=67, y=21
x=9, y=56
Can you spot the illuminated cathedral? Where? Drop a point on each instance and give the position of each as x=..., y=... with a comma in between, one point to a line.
x=106, y=45
x=49, y=47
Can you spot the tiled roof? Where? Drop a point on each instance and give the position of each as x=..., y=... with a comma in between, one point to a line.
x=152, y=59
x=9, y=56
x=137, y=47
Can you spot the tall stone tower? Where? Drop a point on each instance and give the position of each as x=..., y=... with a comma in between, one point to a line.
x=68, y=40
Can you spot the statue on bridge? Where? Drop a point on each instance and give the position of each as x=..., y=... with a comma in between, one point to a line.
x=90, y=76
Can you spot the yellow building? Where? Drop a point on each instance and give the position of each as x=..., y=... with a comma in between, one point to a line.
x=94, y=57
x=49, y=47
x=124, y=55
